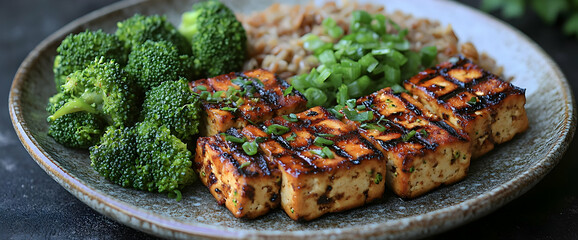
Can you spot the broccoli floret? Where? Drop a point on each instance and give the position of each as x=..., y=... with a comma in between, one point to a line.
x=115, y=156
x=101, y=88
x=218, y=39
x=152, y=63
x=145, y=157
x=138, y=29
x=174, y=105
x=79, y=50
x=76, y=130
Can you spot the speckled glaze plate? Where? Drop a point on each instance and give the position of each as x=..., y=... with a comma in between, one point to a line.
x=497, y=178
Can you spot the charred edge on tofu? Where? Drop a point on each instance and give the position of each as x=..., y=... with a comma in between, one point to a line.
x=394, y=127
x=253, y=90
x=483, y=102
x=270, y=97
x=282, y=83
x=310, y=125
x=258, y=160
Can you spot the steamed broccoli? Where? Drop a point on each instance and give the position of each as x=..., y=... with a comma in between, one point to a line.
x=174, y=105
x=78, y=50
x=145, y=157
x=76, y=130
x=152, y=63
x=218, y=39
x=138, y=29
x=101, y=88
x=98, y=104
x=114, y=157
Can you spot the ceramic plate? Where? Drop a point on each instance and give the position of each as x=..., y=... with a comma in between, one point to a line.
x=497, y=178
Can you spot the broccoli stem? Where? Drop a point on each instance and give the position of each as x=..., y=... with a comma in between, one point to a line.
x=72, y=106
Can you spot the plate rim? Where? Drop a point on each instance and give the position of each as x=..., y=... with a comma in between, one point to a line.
x=164, y=226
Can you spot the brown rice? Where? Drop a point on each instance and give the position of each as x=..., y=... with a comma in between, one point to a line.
x=275, y=44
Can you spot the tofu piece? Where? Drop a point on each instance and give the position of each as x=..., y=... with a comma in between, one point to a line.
x=233, y=100
x=349, y=174
x=489, y=110
x=423, y=152
x=247, y=185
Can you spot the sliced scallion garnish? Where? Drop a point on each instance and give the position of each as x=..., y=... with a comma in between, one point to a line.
x=277, y=129
x=319, y=141
x=408, y=136
x=234, y=139
x=250, y=148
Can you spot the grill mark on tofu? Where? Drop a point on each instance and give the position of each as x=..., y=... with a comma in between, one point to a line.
x=418, y=150
x=264, y=167
x=413, y=141
x=247, y=97
x=299, y=152
x=489, y=110
x=313, y=185
x=247, y=185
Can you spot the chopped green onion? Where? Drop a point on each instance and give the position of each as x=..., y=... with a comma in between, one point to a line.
x=216, y=96
x=375, y=126
x=287, y=91
x=351, y=103
x=327, y=57
x=204, y=95
x=291, y=137
x=325, y=135
x=230, y=109
x=335, y=111
x=315, y=97
x=259, y=82
x=277, y=129
x=368, y=62
x=428, y=55
x=473, y=101
x=319, y=141
x=234, y=139
x=360, y=16
x=356, y=116
x=342, y=94
x=408, y=136
x=317, y=152
x=397, y=89
x=245, y=164
x=250, y=148
x=364, y=60
x=328, y=153
x=392, y=74
x=239, y=81
x=239, y=102
x=292, y=117
x=423, y=133
x=335, y=32
x=261, y=139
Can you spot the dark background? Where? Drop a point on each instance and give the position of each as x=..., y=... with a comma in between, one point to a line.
x=33, y=206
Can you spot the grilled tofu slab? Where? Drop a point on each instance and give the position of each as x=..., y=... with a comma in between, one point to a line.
x=236, y=99
x=423, y=151
x=310, y=162
x=248, y=185
x=326, y=166
x=489, y=110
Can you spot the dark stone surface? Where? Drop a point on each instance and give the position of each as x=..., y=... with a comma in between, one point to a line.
x=33, y=206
